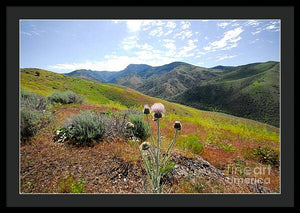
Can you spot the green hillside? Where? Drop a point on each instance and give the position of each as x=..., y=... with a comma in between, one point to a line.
x=119, y=97
x=250, y=91
x=110, y=95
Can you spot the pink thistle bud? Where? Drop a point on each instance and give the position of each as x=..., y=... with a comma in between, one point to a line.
x=177, y=125
x=146, y=109
x=158, y=109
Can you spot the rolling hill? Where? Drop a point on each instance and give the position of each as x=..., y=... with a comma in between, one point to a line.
x=250, y=91
x=225, y=140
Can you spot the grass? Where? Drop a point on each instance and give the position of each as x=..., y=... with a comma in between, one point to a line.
x=189, y=143
x=71, y=185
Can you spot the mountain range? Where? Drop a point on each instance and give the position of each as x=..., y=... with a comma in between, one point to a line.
x=250, y=91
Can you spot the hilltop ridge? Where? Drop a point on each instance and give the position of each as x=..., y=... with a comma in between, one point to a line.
x=221, y=88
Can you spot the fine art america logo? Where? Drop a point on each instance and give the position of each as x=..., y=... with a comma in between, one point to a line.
x=249, y=175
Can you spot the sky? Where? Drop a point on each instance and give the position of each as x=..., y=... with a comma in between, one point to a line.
x=66, y=45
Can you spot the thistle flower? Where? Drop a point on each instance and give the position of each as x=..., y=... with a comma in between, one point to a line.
x=145, y=146
x=146, y=109
x=158, y=109
x=177, y=125
x=129, y=125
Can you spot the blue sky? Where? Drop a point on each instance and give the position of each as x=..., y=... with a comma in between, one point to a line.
x=66, y=45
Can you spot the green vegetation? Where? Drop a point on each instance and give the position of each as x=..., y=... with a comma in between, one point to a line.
x=266, y=155
x=190, y=143
x=86, y=126
x=70, y=185
x=34, y=114
x=168, y=168
x=101, y=94
x=111, y=106
x=94, y=93
x=109, y=113
x=67, y=97
x=140, y=129
x=250, y=91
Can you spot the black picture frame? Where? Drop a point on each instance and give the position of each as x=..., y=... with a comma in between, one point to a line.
x=12, y=198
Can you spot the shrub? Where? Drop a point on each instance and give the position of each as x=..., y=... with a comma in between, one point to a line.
x=90, y=126
x=30, y=123
x=33, y=101
x=67, y=97
x=86, y=126
x=266, y=155
x=141, y=129
x=34, y=114
x=128, y=112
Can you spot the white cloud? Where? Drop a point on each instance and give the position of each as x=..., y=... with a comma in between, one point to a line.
x=221, y=58
x=137, y=25
x=170, y=46
x=272, y=27
x=168, y=32
x=129, y=42
x=171, y=24
x=116, y=63
x=256, y=32
x=229, y=38
x=111, y=64
x=169, y=40
x=157, y=32
x=252, y=23
x=186, y=50
x=230, y=46
x=26, y=33
x=133, y=25
x=145, y=46
x=223, y=24
x=185, y=25
x=183, y=34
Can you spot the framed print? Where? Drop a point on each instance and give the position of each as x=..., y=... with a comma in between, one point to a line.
x=146, y=106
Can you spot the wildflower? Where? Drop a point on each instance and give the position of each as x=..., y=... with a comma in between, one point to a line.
x=129, y=125
x=146, y=109
x=177, y=125
x=158, y=109
x=145, y=146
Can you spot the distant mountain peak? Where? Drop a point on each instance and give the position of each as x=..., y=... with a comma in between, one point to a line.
x=221, y=67
x=137, y=66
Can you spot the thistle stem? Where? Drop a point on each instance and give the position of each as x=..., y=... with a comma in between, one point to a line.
x=152, y=138
x=167, y=156
x=157, y=178
x=148, y=171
